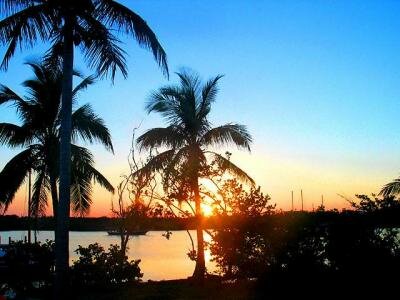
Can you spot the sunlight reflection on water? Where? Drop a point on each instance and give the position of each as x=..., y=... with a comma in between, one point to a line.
x=161, y=258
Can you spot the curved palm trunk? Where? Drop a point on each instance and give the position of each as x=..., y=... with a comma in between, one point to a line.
x=54, y=196
x=200, y=269
x=62, y=225
x=29, y=205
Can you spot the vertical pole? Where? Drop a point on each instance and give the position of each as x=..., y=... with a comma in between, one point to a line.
x=292, y=202
x=29, y=205
x=302, y=202
x=322, y=200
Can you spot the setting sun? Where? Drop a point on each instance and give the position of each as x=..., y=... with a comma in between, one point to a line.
x=207, y=209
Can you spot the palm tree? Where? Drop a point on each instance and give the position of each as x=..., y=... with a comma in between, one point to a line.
x=89, y=24
x=187, y=138
x=39, y=134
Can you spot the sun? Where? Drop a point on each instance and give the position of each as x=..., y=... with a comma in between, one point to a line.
x=207, y=209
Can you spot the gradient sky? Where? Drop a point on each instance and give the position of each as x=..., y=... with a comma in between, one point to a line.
x=316, y=82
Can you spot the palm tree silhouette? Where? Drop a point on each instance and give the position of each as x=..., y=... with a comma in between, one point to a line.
x=39, y=134
x=187, y=138
x=89, y=24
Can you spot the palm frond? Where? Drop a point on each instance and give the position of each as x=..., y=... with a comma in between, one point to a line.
x=80, y=156
x=87, y=81
x=190, y=81
x=229, y=134
x=7, y=95
x=160, y=137
x=40, y=188
x=81, y=188
x=99, y=178
x=10, y=7
x=40, y=72
x=181, y=157
x=13, y=175
x=391, y=188
x=90, y=127
x=165, y=101
x=177, y=105
x=226, y=165
x=117, y=15
x=101, y=49
x=24, y=28
x=14, y=135
x=157, y=163
x=81, y=192
x=83, y=173
x=208, y=95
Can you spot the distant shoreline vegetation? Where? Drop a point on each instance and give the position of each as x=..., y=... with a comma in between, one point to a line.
x=290, y=219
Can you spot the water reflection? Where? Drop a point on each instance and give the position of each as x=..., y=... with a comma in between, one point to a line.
x=207, y=252
x=161, y=258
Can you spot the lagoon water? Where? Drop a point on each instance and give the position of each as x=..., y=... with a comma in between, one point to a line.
x=161, y=259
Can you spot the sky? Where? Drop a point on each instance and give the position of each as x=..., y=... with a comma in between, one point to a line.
x=316, y=82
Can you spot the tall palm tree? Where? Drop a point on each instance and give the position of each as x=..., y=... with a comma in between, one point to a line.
x=39, y=135
x=187, y=138
x=89, y=24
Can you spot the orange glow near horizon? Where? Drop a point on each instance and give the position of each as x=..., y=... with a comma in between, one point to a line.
x=276, y=176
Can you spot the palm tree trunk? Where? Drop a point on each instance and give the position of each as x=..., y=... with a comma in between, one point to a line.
x=200, y=269
x=29, y=205
x=62, y=225
x=54, y=196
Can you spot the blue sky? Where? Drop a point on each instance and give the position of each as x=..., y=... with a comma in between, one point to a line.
x=316, y=82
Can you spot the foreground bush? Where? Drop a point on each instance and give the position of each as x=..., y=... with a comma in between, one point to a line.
x=27, y=267
x=315, y=254
x=97, y=267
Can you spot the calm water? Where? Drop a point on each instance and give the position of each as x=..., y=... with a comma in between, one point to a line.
x=161, y=258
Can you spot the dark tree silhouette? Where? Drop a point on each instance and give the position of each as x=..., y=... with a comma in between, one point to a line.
x=89, y=24
x=39, y=134
x=188, y=135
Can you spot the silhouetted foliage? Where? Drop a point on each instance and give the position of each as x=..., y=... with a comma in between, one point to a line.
x=39, y=136
x=28, y=266
x=92, y=26
x=309, y=254
x=185, y=144
x=367, y=204
x=241, y=252
x=351, y=261
x=97, y=267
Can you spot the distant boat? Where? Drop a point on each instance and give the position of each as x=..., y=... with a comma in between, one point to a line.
x=132, y=232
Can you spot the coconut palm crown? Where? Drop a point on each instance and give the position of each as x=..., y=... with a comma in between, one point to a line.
x=91, y=24
x=39, y=135
x=187, y=139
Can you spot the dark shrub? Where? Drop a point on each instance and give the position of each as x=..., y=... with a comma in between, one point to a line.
x=96, y=267
x=336, y=260
x=28, y=266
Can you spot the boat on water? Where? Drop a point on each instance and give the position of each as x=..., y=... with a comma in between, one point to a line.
x=133, y=232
